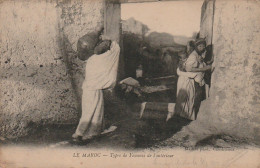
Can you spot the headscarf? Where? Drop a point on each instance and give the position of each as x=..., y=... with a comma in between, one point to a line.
x=197, y=43
x=200, y=41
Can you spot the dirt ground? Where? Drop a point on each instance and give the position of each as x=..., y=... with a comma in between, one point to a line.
x=132, y=132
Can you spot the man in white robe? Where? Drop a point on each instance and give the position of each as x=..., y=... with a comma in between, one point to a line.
x=100, y=74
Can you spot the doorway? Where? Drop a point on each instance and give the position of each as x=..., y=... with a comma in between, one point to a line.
x=153, y=45
x=152, y=33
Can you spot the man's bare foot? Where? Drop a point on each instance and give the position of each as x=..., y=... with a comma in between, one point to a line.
x=76, y=137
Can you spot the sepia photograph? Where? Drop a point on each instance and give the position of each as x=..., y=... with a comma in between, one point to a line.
x=129, y=83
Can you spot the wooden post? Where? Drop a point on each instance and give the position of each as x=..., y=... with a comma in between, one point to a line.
x=112, y=28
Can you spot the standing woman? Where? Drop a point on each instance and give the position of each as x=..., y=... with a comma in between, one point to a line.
x=100, y=73
x=190, y=92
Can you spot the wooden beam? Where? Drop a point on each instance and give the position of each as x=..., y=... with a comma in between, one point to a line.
x=143, y=1
x=112, y=20
x=137, y=1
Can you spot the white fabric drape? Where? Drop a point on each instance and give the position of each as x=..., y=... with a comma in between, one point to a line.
x=101, y=73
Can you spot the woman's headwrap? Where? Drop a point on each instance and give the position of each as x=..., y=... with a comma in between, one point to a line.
x=200, y=41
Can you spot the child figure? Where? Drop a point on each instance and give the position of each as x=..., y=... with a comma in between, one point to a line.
x=183, y=57
x=199, y=78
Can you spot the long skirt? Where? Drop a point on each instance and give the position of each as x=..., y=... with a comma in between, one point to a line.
x=189, y=97
x=92, y=119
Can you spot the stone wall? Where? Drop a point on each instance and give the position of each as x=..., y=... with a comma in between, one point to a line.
x=207, y=12
x=40, y=74
x=233, y=106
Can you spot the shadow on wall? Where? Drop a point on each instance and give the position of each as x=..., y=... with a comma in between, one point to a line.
x=75, y=67
x=208, y=58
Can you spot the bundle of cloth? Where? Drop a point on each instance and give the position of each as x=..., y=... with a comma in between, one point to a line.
x=86, y=45
x=91, y=44
x=130, y=85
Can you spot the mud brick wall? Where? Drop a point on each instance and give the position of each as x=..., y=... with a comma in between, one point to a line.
x=234, y=103
x=40, y=75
